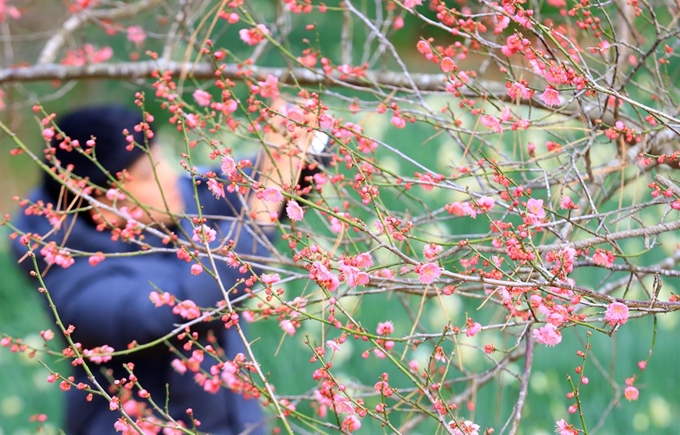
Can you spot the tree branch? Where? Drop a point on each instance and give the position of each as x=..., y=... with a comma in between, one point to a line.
x=204, y=70
x=75, y=22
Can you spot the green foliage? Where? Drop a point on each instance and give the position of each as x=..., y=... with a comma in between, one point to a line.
x=24, y=391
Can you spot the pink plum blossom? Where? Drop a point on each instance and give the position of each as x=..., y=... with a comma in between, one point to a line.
x=326, y=121
x=550, y=97
x=204, y=234
x=353, y=276
x=351, y=423
x=255, y=35
x=603, y=258
x=294, y=211
x=431, y=250
x=464, y=428
x=557, y=4
x=270, y=87
x=136, y=35
x=48, y=133
x=99, y=355
x=216, y=188
x=333, y=345
x=187, y=309
x=232, y=18
x=363, y=260
x=60, y=257
x=270, y=278
x=273, y=195
x=473, y=329
x=398, y=121
x=429, y=272
x=287, y=326
x=631, y=393
x=447, y=65
x=343, y=405
x=566, y=203
x=8, y=11
x=461, y=209
x=323, y=276
x=424, y=48
x=506, y=114
x=518, y=90
x=535, y=207
x=548, y=335
x=410, y=4
x=564, y=428
x=202, y=97
x=492, y=123
x=485, y=203
x=385, y=328
x=96, y=259
x=228, y=166
x=617, y=313
x=86, y=55
x=115, y=194
x=160, y=299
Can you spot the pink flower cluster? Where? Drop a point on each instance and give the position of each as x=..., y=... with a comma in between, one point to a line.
x=8, y=11
x=520, y=90
x=160, y=299
x=136, y=35
x=385, y=328
x=350, y=268
x=54, y=255
x=324, y=277
x=99, y=355
x=228, y=166
x=464, y=427
x=603, y=258
x=535, y=209
x=204, y=234
x=87, y=55
x=484, y=205
x=564, y=428
x=431, y=250
x=254, y=35
x=564, y=261
x=410, y=4
x=187, y=309
x=548, y=335
x=268, y=88
x=202, y=97
x=271, y=194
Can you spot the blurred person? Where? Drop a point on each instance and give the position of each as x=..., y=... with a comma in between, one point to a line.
x=109, y=303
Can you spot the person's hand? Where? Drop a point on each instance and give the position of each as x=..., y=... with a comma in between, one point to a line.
x=291, y=126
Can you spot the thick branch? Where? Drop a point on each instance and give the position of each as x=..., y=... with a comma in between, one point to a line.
x=303, y=76
x=204, y=70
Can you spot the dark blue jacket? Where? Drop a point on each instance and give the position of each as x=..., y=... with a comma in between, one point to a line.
x=109, y=304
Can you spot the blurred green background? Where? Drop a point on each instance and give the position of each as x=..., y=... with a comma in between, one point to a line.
x=24, y=391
